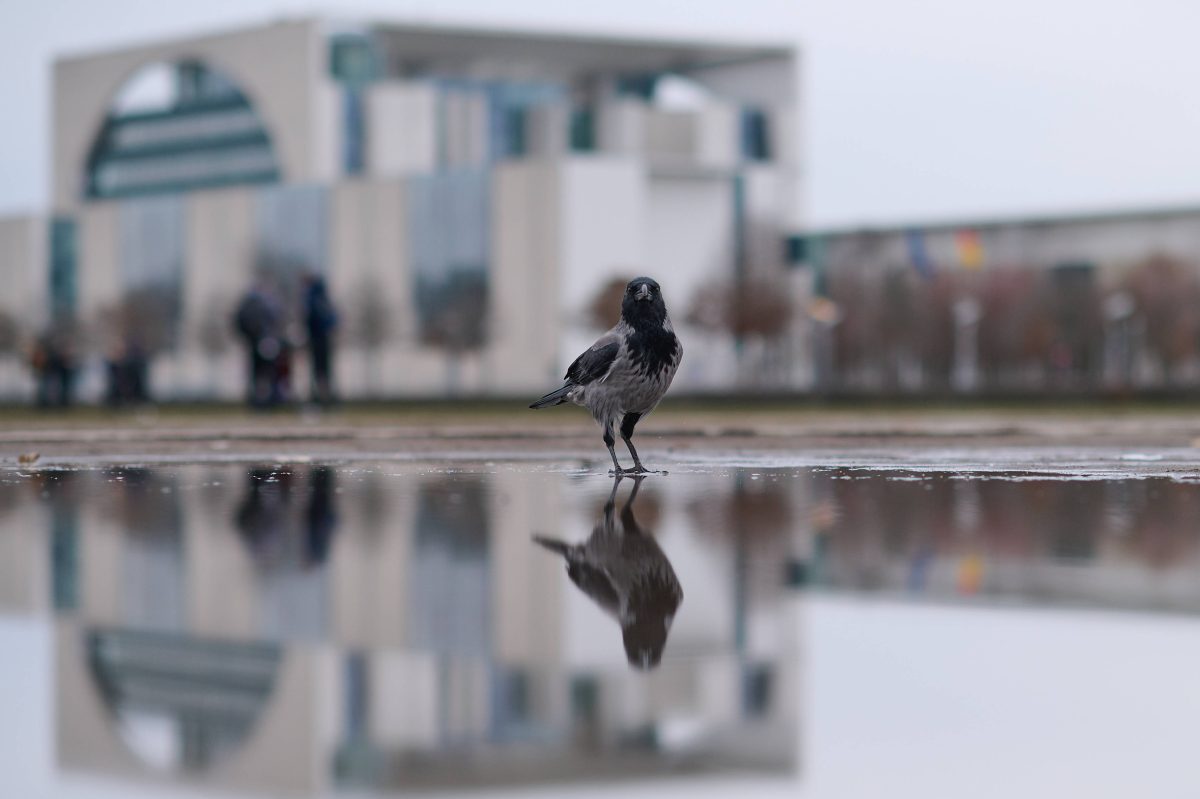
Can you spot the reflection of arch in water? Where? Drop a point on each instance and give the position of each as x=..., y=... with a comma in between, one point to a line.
x=254, y=720
x=177, y=126
x=181, y=703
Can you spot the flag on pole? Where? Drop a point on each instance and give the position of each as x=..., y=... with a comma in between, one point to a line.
x=918, y=255
x=970, y=249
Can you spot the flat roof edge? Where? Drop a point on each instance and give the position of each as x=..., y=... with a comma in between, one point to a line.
x=1015, y=220
x=734, y=45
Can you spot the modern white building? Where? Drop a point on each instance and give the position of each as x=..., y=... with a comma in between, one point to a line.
x=466, y=193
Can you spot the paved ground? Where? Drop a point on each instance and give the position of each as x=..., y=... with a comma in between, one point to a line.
x=677, y=434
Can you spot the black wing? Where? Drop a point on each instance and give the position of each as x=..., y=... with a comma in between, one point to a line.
x=593, y=364
x=595, y=583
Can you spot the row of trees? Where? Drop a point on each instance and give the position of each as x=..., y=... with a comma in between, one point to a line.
x=1016, y=327
x=1020, y=327
x=1027, y=327
x=453, y=318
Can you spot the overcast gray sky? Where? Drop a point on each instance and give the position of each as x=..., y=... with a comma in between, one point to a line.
x=913, y=109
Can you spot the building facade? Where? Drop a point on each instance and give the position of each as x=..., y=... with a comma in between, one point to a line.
x=1079, y=303
x=465, y=193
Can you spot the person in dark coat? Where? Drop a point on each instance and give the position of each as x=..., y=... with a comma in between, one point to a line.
x=320, y=320
x=257, y=321
x=53, y=363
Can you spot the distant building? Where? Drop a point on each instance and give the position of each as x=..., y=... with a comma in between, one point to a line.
x=1102, y=301
x=467, y=193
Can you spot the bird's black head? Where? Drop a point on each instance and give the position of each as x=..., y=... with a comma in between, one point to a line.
x=643, y=302
x=645, y=638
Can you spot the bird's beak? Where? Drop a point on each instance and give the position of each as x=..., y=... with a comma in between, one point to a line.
x=643, y=292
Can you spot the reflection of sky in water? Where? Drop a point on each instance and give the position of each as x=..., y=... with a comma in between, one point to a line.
x=407, y=623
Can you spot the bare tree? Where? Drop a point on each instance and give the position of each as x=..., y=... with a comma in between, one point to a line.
x=1016, y=328
x=750, y=309
x=10, y=338
x=455, y=318
x=10, y=335
x=214, y=332
x=1166, y=292
x=604, y=310
x=145, y=318
x=370, y=326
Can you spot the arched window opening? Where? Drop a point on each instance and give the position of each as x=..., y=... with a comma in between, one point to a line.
x=179, y=126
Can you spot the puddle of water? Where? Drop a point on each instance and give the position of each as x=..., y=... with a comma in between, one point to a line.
x=306, y=628
x=404, y=626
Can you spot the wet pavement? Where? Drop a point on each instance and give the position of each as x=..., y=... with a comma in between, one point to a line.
x=998, y=623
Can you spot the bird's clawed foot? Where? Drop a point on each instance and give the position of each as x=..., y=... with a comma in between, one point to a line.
x=640, y=471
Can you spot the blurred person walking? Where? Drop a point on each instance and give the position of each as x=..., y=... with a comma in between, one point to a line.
x=53, y=363
x=127, y=367
x=320, y=320
x=257, y=321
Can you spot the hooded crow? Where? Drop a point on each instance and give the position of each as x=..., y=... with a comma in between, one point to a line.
x=624, y=571
x=621, y=378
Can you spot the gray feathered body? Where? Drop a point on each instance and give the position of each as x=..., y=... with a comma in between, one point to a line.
x=629, y=368
x=634, y=571
x=636, y=381
x=622, y=377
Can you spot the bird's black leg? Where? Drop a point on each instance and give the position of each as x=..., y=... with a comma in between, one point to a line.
x=608, y=442
x=628, y=520
x=627, y=424
x=611, y=504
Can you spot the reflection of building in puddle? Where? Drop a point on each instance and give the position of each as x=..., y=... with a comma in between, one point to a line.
x=180, y=702
x=27, y=563
x=1127, y=543
x=269, y=630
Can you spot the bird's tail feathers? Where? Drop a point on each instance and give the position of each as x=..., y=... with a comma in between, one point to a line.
x=553, y=544
x=557, y=397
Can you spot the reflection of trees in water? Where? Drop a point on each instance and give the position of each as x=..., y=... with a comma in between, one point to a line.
x=1070, y=521
x=452, y=516
x=756, y=517
x=753, y=510
x=449, y=586
x=1161, y=529
x=143, y=502
x=880, y=521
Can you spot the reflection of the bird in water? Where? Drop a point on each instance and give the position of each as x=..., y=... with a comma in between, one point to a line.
x=622, y=568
